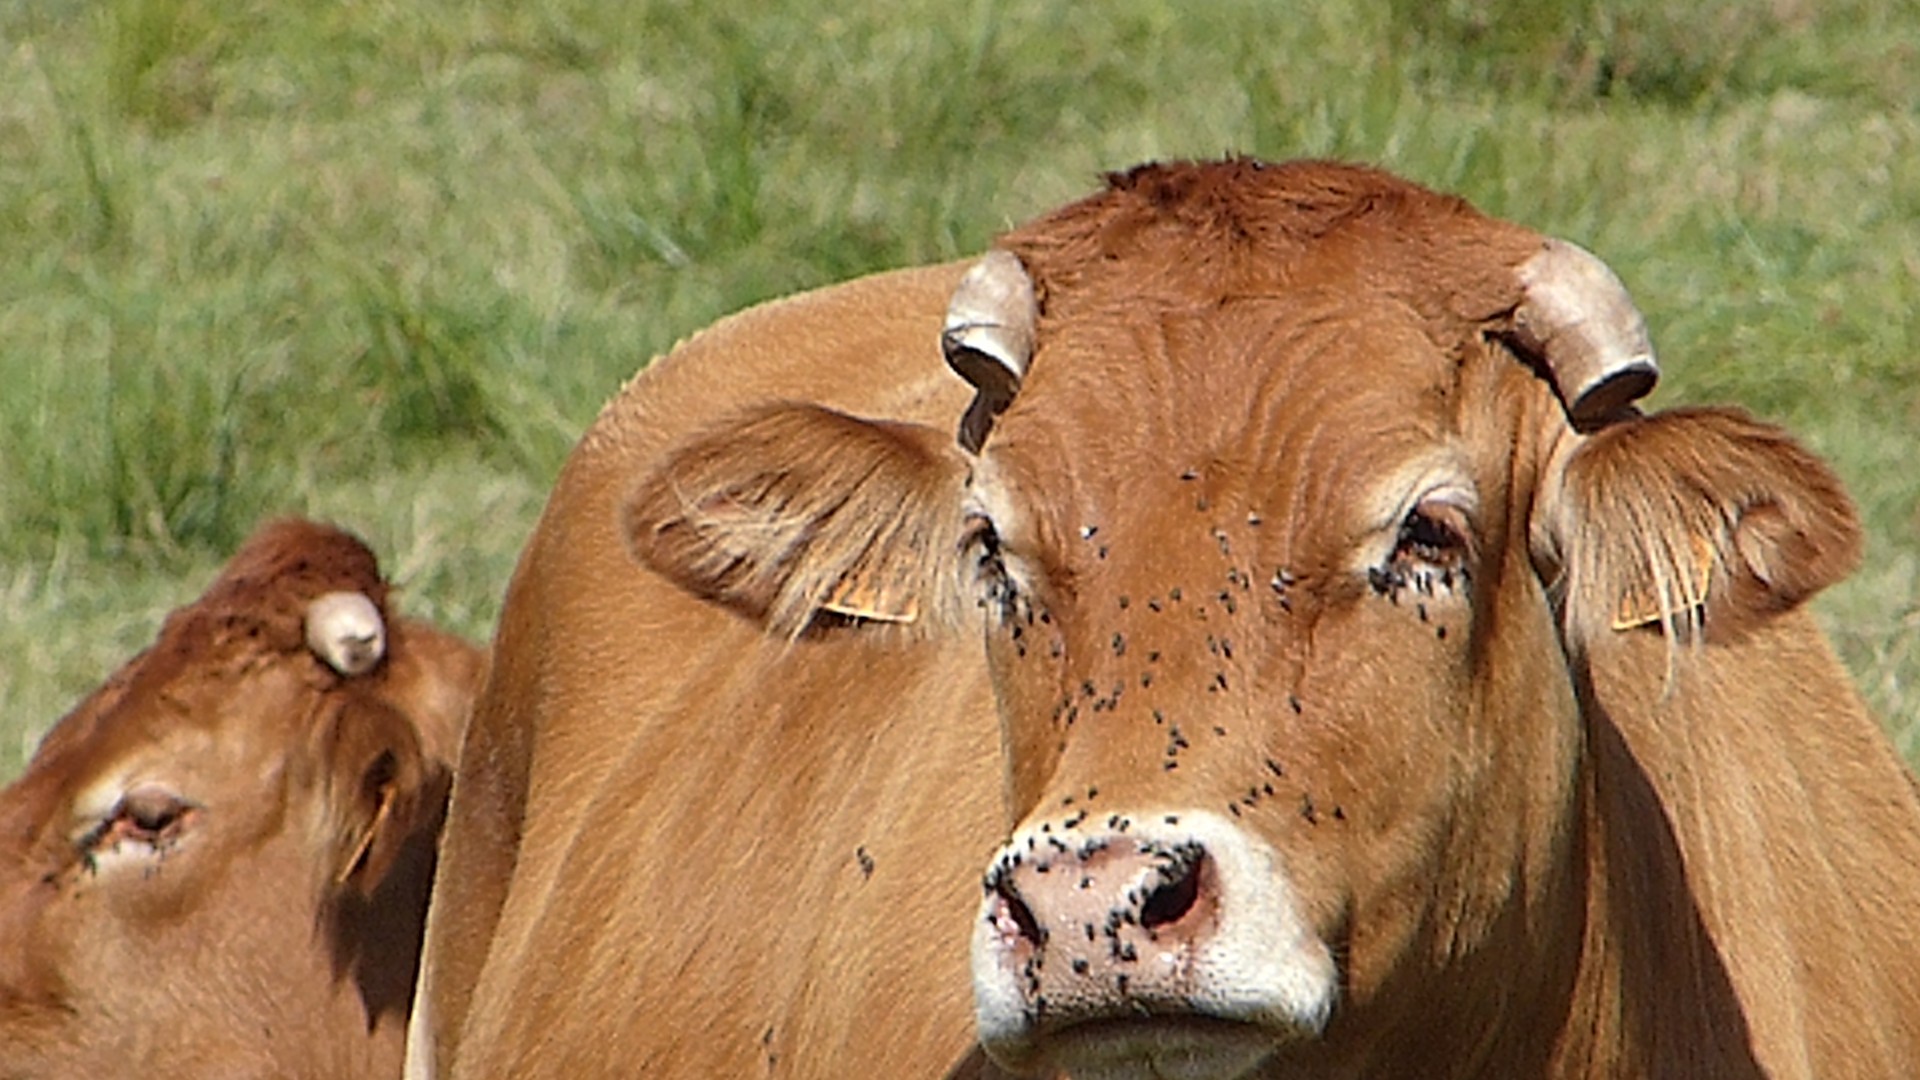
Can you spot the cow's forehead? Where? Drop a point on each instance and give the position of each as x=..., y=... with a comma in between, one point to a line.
x=250, y=619
x=1292, y=337
x=239, y=651
x=176, y=697
x=1207, y=233
x=1269, y=411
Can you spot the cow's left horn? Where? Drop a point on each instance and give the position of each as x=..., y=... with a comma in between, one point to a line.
x=1577, y=318
x=344, y=629
x=988, y=338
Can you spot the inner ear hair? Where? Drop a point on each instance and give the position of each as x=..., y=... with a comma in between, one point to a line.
x=377, y=781
x=1700, y=521
x=790, y=510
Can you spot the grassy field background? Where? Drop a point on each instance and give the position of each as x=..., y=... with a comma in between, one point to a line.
x=381, y=262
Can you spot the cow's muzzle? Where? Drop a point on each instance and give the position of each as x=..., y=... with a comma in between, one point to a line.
x=1166, y=944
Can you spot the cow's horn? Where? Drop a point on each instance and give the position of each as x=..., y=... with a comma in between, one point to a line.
x=1577, y=318
x=344, y=629
x=988, y=338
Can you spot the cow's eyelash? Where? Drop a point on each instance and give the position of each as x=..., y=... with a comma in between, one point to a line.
x=1432, y=552
x=1434, y=532
x=981, y=542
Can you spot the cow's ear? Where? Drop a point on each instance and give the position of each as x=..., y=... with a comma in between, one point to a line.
x=380, y=789
x=1693, y=520
x=793, y=510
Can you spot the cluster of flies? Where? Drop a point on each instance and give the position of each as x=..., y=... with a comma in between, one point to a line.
x=1019, y=615
x=1147, y=906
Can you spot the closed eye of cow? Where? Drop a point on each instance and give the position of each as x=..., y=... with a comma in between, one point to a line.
x=147, y=820
x=1001, y=578
x=982, y=542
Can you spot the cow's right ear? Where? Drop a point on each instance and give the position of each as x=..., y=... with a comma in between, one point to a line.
x=794, y=510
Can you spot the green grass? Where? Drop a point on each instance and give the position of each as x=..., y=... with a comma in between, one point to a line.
x=382, y=262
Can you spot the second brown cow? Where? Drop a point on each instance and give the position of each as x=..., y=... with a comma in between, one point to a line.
x=217, y=864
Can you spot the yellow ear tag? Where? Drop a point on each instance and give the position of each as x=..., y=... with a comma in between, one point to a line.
x=1641, y=604
x=865, y=593
x=365, y=843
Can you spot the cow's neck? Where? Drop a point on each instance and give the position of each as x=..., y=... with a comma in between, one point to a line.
x=1705, y=869
x=1748, y=830
x=1604, y=967
x=1652, y=996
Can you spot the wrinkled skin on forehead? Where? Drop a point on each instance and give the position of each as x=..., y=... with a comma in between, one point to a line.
x=217, y=864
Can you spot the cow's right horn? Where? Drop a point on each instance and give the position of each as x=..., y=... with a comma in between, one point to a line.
x=345, y=630
x=1578, y=320
x=988, y=338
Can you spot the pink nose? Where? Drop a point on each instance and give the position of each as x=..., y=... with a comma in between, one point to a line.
x=1108, y=926
x=1167, y=944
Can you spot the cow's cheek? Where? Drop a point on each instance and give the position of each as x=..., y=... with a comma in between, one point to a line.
x=1382, y=747
x=1027, y=664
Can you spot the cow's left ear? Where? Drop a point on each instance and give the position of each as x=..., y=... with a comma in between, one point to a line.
x=792, y=510
x=378, y=788
x=1692, y=520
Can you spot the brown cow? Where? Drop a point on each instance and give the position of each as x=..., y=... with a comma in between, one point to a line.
x=1379, y=693
x=217, y=865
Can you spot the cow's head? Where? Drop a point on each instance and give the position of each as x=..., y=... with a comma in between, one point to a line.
x=217, y=863
x=1290, y=496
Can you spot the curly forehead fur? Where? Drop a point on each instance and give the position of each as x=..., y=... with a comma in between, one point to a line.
x=1204, y=233
x=257, y=606
x=286, y=564
x=267, y=585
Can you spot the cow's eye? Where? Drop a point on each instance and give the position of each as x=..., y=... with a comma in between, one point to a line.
x=148, y=816
x=1431, y=552
x=983, y=544
x=1434, y=532
x=151, y=812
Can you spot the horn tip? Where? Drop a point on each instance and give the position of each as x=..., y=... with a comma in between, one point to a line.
x=344, y=630
x=1614, y=395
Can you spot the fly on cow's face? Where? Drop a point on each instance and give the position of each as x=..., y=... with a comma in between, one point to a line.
x=1000, y=591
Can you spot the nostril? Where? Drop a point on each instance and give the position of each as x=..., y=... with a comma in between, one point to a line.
x=1178, y=891
x=1014, y=911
